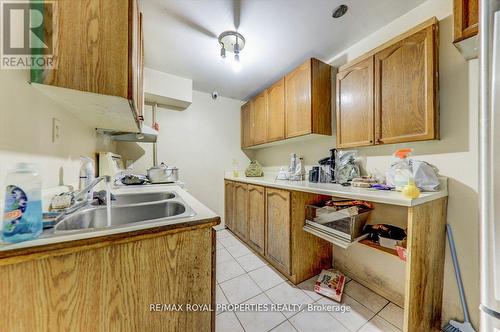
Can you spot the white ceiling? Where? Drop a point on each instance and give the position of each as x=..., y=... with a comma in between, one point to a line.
x=181, y=37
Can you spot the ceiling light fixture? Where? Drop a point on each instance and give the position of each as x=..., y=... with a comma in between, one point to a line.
x=234, y=42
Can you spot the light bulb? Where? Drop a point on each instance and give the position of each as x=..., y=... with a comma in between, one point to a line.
x=236, y=63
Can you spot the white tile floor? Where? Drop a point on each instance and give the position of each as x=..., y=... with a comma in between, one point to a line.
x=243, y=277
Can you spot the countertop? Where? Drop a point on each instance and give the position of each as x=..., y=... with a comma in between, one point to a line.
x=332, y=189
x=203, y=215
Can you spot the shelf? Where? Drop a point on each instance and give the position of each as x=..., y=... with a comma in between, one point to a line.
x=374, y=245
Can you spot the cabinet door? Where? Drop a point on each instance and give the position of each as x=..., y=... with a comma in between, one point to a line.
x=246, y=125
x=278, y=228
x=229, y=204
x=259, y=105
x=298, y=101
x=240, y=210
x=256, y=217
x=276, y=111
x=355, y=117
x=405, y=89
x=466, y=19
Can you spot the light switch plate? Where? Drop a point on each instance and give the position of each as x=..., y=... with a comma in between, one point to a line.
x=56, y=130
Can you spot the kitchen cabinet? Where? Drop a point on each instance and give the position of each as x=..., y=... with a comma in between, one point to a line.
x=390, y=95
x=466, y=19
x=247, y=125
x=241, y=210
x=98, y=62
x=275, y=221
x=297, y=105
x=276, y=111
x=259, y=107
x=256, y=218
x=308, y=99
x=466, y=27
x=406, y=89
x=228, y=204
x=355, y=104
x=278, y=228
x=108, y=283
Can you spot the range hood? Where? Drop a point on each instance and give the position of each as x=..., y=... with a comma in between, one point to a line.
x=147, y=135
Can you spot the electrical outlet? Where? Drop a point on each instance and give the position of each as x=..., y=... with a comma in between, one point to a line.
x=56, y=130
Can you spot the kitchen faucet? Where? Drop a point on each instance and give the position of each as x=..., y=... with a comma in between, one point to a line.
x=77, y=201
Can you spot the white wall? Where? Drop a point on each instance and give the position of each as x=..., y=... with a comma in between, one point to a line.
x=456, y=154
x=201, y=141
x=26, y=133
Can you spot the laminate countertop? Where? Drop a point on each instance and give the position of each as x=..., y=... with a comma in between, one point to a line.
x=337, y=190
x=49, y=240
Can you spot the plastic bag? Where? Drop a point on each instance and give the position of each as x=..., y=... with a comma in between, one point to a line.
x=424, y=174
x=346, y=167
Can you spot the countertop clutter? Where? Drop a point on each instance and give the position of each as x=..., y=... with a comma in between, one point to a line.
x=202, y=215
x=333, y=189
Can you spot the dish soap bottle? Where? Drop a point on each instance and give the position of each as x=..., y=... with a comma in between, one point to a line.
x=86, y=175
x=411, y=191
x=22, y=219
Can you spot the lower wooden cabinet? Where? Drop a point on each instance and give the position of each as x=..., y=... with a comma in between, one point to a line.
x=240, y=214
x=228, y=204
x=278, y=228
x=270, y=221
x=256, y=218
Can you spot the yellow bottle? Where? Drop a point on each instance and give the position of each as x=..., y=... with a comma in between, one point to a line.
x=411, y=191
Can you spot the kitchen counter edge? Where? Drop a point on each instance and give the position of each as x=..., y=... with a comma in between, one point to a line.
x=337, y=190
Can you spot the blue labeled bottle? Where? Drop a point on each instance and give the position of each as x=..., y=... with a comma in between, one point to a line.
x=22, y=219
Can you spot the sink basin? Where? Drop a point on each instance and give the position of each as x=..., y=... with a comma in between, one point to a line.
x=90, y=218
x=126, y=199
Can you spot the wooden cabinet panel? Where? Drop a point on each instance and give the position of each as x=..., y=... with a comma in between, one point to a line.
x=259, y=105
x=298, y=101
x=256, y=217
x=355, y=117
x=91, y=55
x=229, y=204
x=278, y=228
x=321, y=97
x=240, y=220
x=405, y=89
x=276, y=111
x=466, y=19
x=109, y=286
x=246, y=125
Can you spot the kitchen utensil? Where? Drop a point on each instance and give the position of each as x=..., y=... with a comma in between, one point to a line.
x=454, y=326
x=163, y=174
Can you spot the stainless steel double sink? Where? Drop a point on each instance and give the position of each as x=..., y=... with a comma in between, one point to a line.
x=126, y=209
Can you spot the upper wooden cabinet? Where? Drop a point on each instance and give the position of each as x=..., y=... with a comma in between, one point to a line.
x=466, y=27
x=276, y=111
x=308, y=100
x=355, y=117
x=390, y=95
x=247, y=125
x=259, y=105
x=98, y=50
x=299, y=104
x=406, y=89
x=466, y=19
